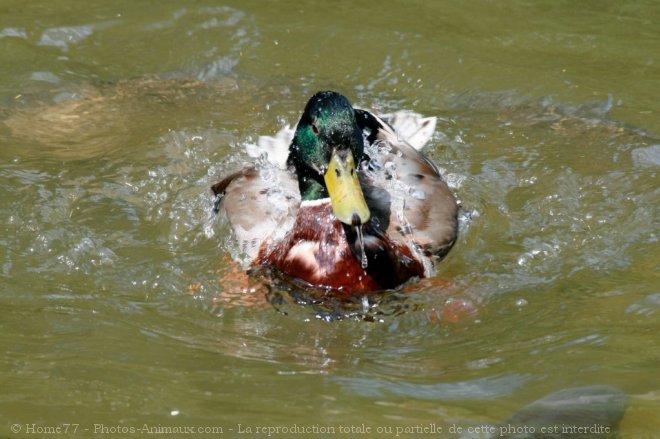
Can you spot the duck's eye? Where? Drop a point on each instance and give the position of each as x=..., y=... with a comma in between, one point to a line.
x=315, y=128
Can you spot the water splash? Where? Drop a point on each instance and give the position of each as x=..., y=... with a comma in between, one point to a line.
x=360, y=247
x=365, y=304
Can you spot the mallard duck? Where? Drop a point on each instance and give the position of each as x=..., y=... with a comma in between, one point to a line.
x=352, y=208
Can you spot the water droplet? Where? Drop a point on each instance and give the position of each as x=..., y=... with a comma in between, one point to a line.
x=521, y=302
x=365, y=304
x=417, y=193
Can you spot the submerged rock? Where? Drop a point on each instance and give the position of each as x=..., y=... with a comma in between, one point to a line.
x=90, y=119
x=579, y=413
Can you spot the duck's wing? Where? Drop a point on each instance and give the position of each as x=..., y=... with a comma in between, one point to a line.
x=275, y=149
x=260, y=205
x=406, y=192
x=414, y=128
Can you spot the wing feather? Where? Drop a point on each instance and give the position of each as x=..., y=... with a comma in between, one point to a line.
x=260, y=205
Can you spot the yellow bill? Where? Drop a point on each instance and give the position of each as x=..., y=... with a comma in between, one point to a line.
x=347, y=199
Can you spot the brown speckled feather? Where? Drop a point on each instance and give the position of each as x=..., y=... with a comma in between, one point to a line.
x=422, y=209
x=260, y=205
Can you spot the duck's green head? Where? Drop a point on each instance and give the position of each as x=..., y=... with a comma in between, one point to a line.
x=325, y=152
